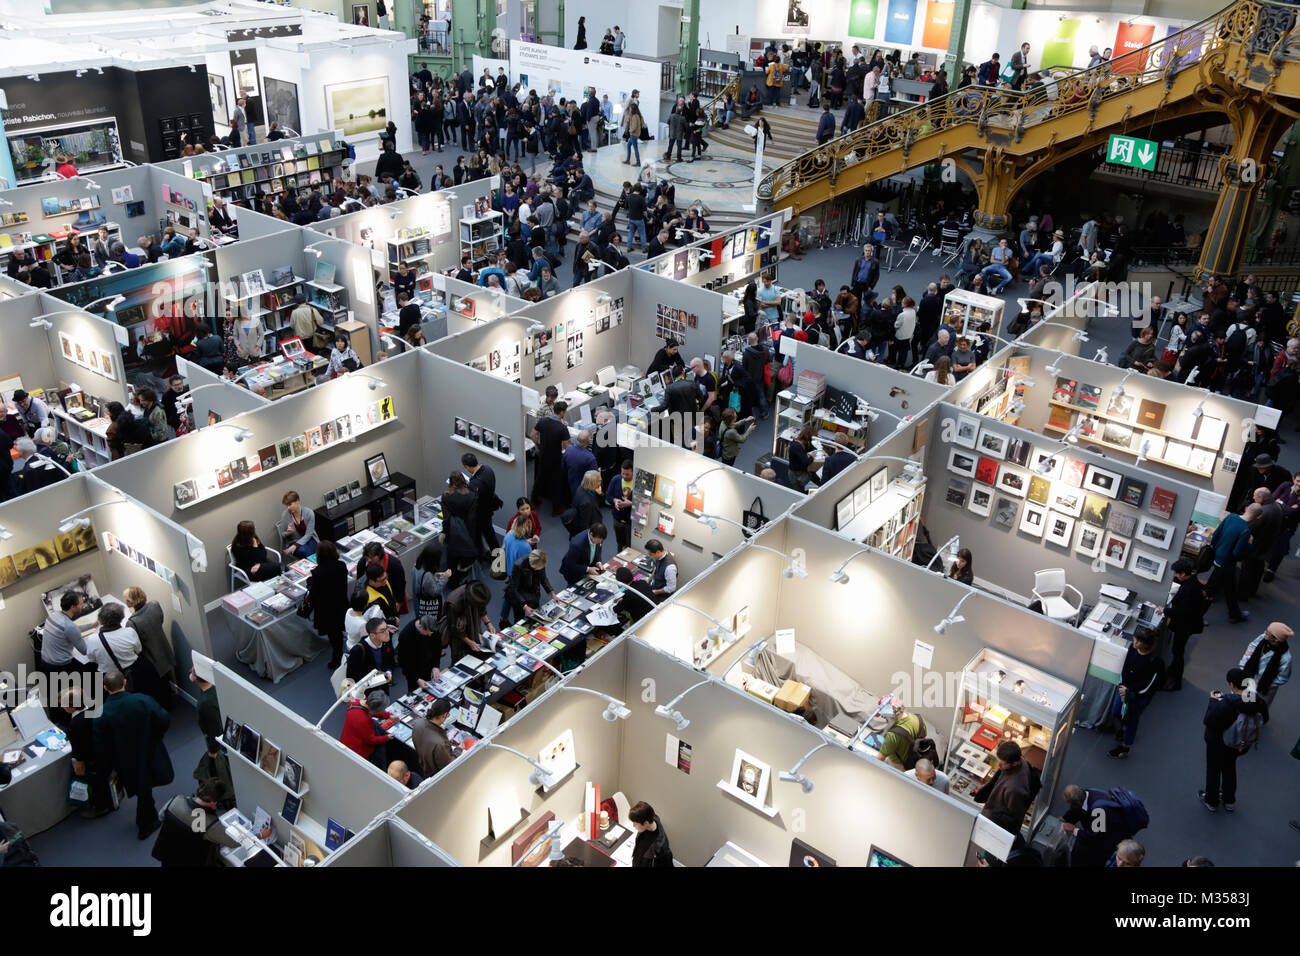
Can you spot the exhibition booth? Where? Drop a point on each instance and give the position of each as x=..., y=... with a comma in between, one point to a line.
x=559, y=72
x=725, y=261
x=213, y=398
x=486, y=811
x=314, y=791
x=849, y=669
x=128, y=203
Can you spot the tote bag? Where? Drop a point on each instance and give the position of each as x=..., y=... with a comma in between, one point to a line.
x=754, y=517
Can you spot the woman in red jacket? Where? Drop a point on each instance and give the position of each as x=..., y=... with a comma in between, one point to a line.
x=360, y=735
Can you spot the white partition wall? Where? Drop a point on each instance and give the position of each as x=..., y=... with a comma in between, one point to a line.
x=388, y=842
x=340, y=786
x=702, y=306
x=72, y=329
x=214, y=516
x=881, y=387
x=213, y=393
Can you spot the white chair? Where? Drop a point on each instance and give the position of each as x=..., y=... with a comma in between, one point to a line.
x=1052, y=592
x=236, y=572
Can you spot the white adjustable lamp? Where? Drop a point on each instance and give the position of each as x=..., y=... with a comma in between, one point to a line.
x=373, y=381
x=357, y=691
x=75, y=520
x=794, y=776
x=954, y=543
x=1076, y=335
x=719, y=630
x=712, y=522
x=113, y=302
x=49, y=463
x=838, y=576
x=1055, y=367
x=615, y=710
x=666, y=710
x=540, y=777
x=241, y=433
x=693, y=486
x=910, y=465
x=791, y=569
x=953, y=617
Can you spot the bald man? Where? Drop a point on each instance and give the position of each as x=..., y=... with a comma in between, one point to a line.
x=577, y=460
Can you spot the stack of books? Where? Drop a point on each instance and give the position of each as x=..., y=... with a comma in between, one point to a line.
x=810, y=386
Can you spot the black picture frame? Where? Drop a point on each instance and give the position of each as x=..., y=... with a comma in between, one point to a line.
x=167, y=126
x=371, y=469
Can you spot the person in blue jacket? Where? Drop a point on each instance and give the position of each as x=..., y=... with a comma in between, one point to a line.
x=1230, y=542
x=826, y=125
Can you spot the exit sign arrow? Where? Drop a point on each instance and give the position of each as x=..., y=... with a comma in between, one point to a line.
x=1133, y=152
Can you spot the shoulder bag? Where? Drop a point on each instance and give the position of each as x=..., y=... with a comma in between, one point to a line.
x=130, y=678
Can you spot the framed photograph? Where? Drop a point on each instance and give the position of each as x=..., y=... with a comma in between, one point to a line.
x=750, y=775
x=844, y=512
x=862, y=496
x=1087, y=540
x=1060, y=530
x=987, y=471
x=460, y=428
x=358, y=107
x=962, y=463
x=1066, y=500
x=377, y=469
x=1115, y=548
x=992, y=443
x=503, y=444
x=1096, y=510
x=1147, y=565
x=1004, y=513
x=879, y=482
x=968, y=428
x=185, y=492
x=1101, y=481
x=1014, y=481
x=1121, y=436
x=981, y=500
x=1121, y=406
x=1052, y=461
x=1018, y=452
x=1132, y=491
x=1162, y=502
x=957, y=491
x=489, y=438
x=1040, y=489
x=1156, y=534
x=1033, y=519
x=665, y=489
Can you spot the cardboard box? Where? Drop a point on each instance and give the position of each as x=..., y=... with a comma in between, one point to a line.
x=761, y=689
x=792, y=696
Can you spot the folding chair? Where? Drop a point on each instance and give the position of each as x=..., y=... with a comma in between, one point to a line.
x=953, y=250
x=912, y=254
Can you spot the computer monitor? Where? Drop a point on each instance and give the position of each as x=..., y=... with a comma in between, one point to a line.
x=878, y=857
x=802, y=855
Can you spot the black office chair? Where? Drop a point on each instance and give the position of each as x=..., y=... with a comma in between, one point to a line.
x=782, y=468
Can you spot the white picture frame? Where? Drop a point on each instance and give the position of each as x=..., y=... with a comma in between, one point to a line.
x=962, y=462
x=750, y=776
x=1115, y=549
x=1013, y=481
x=1146, y=565
x=968, y=427
x=981, y=500
x=993, y=444
x=1053, y=459
x=1060, y=530
x=1066, y=500
x=1102, y=481
x=1087, y=539
x=1033, y=519
x=1155, y=534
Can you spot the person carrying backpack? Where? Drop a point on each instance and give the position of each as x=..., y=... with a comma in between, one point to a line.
x=899, y=748
x=1232, y=724
x=1099, y=821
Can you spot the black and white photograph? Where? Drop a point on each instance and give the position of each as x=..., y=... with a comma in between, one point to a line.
x=1147, y=565
x=1033, y=519
x=1004, y=513
x=1102, y=481
x=968, y=427
x=293, y=777
x=1157, y=534
x=962, y=463
x=993, y=444
x=1060, y=528
x=957, y=491
x=1066, y=500
x=981, y=500
x=185, y=492
x=1087, y=543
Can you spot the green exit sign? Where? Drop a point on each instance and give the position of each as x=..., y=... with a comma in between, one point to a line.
x=1130, y=151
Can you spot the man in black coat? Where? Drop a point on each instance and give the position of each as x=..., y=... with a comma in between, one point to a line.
x=389, y=163
x=483, y=482
x=372, y=652
x=658, y=244
x=1185, y=615
x=755, y=359
x=854, y=114
x=129, y=739
x=1221, y=759
x=682, y=403
x=928, y=311
x=584, y=553
x=374, y=553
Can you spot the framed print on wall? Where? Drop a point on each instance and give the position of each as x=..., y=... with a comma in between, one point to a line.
x=1147, y=565
x=1033, y=519
x=1014, y=481
x=1102, y=481
x=1060, y=528
x=359, y=108
x=1115, y=548
x=968, y=427
x=987, y=471
x=1004, y=513
x=1066, y=500
x=1087, y=542
x=1096, y=510
x=1156, y=534
x=962, y=463
x=1046, y=463
x=957, y=491
x=981, y=500
x=750, y=775
x=879, y=482
x=217, y=98
x=992, y=444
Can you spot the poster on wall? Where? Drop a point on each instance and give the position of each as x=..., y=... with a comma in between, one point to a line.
x=938, y=24
x=282, y=103
x=217, y=97
x=359, y=108
x=796, y=17
x=900, y=24
x=243, y=66
x=862, y=18
x=1129, y=38
x=1193, y=42
x=1058, y=49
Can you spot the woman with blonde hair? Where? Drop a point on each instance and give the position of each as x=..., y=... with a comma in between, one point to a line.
x=147, y=621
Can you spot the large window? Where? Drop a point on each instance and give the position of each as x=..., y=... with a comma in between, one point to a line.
x=90, y=146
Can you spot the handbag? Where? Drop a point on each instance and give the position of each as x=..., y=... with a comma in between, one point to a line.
x=785, y=376
x=304, y=607
x=733, y=400
x=754, y=516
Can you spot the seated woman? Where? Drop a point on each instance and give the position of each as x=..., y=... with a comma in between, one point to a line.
x=342, y=357
x=297, y=527
x=963, y=567
x=250, y=555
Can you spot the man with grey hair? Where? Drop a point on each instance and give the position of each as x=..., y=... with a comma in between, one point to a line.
x=1128, y=853
x=768, y=474
x=430, y=739
x=577, y=460
x=1264, y=533
x=926, y=772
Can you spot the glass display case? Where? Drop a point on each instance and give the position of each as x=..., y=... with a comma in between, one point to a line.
x=972, y=310
x=1004, y=699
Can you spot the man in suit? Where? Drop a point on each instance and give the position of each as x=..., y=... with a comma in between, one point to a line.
x=837, y=463
x=583, y=556
x=682, y=403
x=129, y=739
x=483, y=482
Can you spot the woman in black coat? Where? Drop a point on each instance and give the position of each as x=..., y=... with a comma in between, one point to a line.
x=582, y=34
x=457, y=519
x=328, y=590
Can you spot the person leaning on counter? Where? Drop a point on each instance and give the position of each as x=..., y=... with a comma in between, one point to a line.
x=429, y=738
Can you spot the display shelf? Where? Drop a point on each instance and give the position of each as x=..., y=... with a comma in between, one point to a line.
x=738, y=794
x=91, y=441
x=1137, y=426
x=51, y=244
x=255, y=476
x=313, y=830
x=324, y=286
x=542, y=790
x=900, y=504
x=1102, y=443
x=232, y=855
x=278, y=781
x=972, y=309
x=483, y=448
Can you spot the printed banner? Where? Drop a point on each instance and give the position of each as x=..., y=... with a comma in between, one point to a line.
x=938, y=24
x=862, y=19
x=1058, y=50
x=1127, y=40
x=1193, y=42
x=900, y=22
